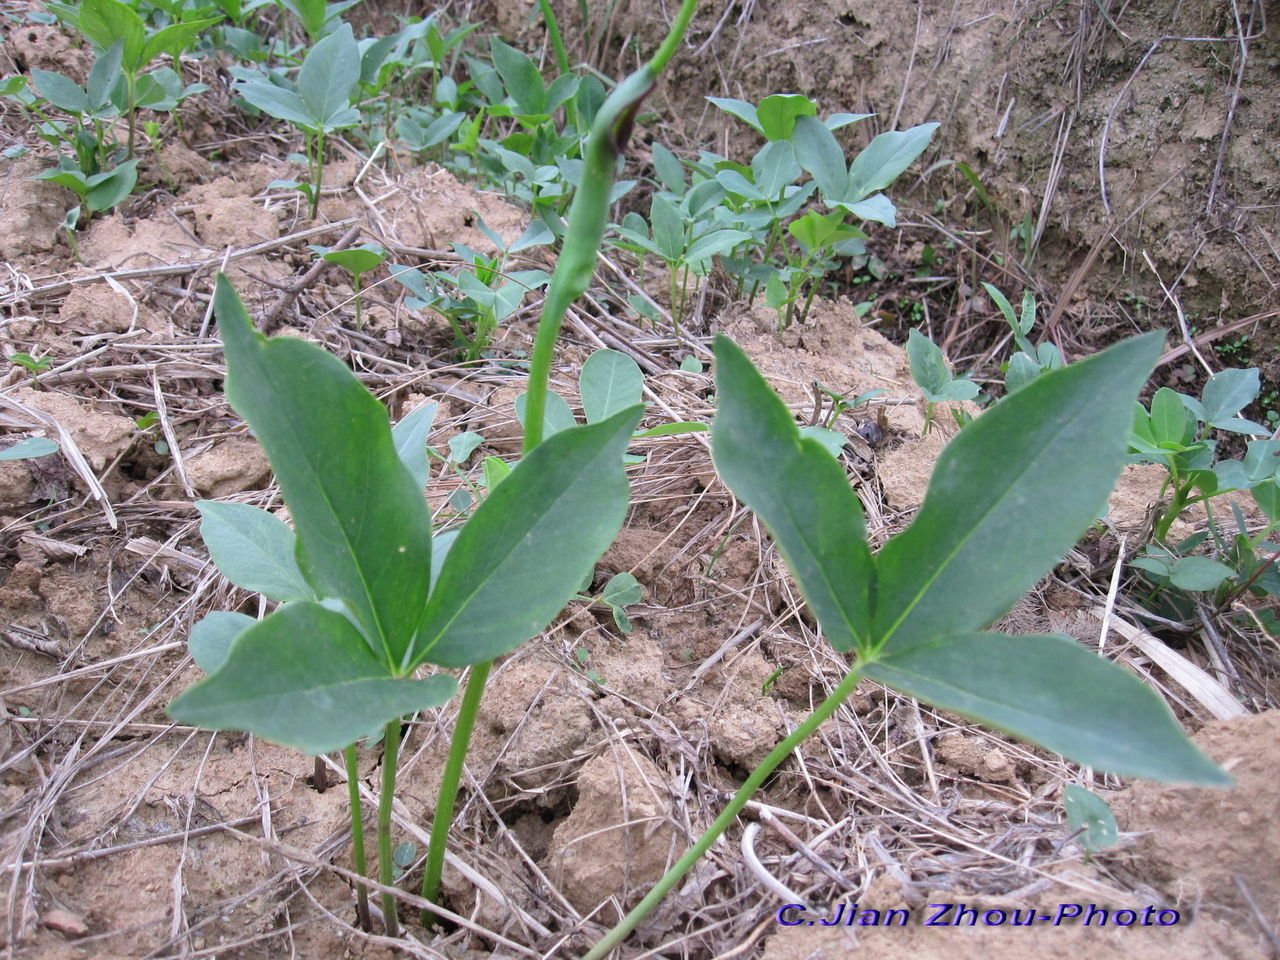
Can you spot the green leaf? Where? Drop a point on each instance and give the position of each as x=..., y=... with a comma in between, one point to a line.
x=885, y=158
x=610, y=382
x=622, y=590
x=362, y=523
x=521, y=556
x=744, y=111
x=175, y=36
x=1052, y=691
x=1199, y=573
x=358, y=260
x=669, y=169
x=63, y=93
x=1170, y=420
x=691, y=364
x=410, y=439
x=671, y=429
x=212, y=637
x=555, y=417
x=327, y=79
x=775, y=168
x=714, y=243
x=777, y=114
x=820, y=154
x=108, y=189
x=520, y=76
x=105, y=22
x=929, y=368
x=832, y=441
x=668, y=229
x=1266, y=495
x=1089, y=816
x=1009, y=497
x=877, y=209
x=800, y=493
x=1022, y=370
x=275, y=101
x=305, y=678
x=462, y=445
x=253, y=549
x=29, y=449
x=1228, y=392
x=495, y=471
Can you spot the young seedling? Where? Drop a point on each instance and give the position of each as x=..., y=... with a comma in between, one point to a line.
x=357, y=261
x=319, y=104
x=1009, y=496
x=361, y=610
x=930, y=372
x=1029, y=361
x=108, y=23
x=1092, y=823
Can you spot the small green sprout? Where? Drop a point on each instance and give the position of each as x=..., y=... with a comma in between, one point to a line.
x=1092, y=823
x=318, y=104
x=933, y=377
x=357, y=261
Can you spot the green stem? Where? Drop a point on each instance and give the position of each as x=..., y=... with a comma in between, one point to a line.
x=355, y=290
x=1176, y=506
x=588, y=214
x=386, y=866
x=553, y=32
x=357, y=836
x=131, y=88
x=449, y=784
x=675, y=298
x=562, y=61
x=727, y=816
x=317, y=173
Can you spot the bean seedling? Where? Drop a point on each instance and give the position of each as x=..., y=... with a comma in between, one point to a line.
x=360, y=611
x=1009, y=496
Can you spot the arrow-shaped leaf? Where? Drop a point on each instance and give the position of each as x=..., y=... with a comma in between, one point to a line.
x=1009, y=496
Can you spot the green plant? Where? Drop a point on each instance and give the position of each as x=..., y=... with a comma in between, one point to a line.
x=28, y=449
x=481, y=295
x=1092, y=823
x=1010, y=494
x=357, y=261
x=929, y=371
x=1029, y=361
x=1176, y=431
x=361, y=610
x=317, y=104
x=109, y=24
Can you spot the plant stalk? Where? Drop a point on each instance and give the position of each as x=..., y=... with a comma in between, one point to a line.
x=386, y=866
x=727, y=816
x=588, y=213
x=449, y=784
x=357, y=836
x=575, y=267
